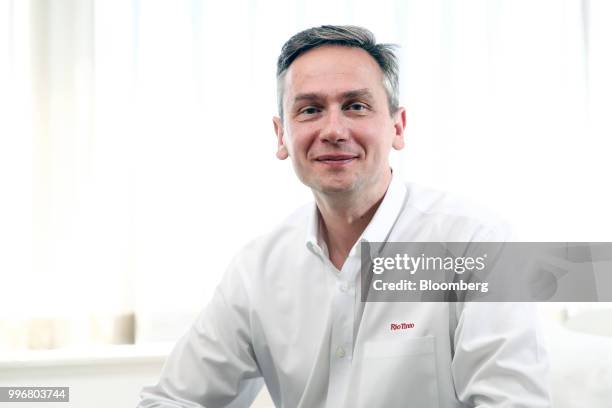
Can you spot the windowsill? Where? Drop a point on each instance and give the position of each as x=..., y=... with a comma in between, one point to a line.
x=95, y=355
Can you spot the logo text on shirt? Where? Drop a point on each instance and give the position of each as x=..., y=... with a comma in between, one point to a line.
x=401, y=326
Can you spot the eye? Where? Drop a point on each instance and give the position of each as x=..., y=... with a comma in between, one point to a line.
x=309, y=110
x=357, y=106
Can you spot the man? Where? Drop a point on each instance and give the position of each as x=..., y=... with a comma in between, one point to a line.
x=289, y=307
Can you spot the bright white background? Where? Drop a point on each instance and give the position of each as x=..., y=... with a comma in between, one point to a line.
x=137, y=147
x=137, y=151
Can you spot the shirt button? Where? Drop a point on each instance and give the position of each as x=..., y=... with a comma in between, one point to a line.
x=344, y=287
x=340, y=353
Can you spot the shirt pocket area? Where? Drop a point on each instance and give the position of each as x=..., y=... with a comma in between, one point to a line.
x=399, y=373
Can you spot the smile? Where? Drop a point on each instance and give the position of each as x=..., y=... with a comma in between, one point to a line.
x=336, y=159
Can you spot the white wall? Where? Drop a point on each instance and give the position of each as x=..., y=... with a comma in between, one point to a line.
x=109, y=377
x=92, y=386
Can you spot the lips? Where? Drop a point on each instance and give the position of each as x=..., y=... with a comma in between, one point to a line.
x=336, y=157
x=336, y=161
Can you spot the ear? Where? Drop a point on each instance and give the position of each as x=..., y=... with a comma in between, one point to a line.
x=281, y=153
x=399, y=119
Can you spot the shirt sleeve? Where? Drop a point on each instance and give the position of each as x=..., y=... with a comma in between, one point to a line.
x=213, y=365
x=500, y=359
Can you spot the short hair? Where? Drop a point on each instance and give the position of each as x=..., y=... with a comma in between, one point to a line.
x=345, y=36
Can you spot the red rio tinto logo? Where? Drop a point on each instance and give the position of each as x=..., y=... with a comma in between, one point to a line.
x=401, y=326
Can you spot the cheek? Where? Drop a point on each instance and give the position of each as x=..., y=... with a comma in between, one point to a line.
x=299, y=143
x=375, y=141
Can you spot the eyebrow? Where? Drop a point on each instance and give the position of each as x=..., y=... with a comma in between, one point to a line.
x=357, y=93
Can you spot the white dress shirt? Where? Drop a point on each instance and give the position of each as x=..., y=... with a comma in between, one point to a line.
x=285, y=313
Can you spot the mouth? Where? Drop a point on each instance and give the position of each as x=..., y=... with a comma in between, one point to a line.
x=338, y=159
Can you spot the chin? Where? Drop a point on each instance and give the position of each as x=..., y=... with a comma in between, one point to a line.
x=336, y=187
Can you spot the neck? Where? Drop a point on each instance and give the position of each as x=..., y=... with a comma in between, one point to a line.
x=344, y=217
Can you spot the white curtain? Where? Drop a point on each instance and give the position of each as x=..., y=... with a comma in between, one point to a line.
x=137, y=150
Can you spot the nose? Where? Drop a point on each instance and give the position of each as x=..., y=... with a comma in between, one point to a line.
x=334, y=129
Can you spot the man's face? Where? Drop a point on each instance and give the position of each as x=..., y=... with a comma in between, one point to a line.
x=337, y=128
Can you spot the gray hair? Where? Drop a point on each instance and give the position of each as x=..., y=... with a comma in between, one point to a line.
x=346, y=36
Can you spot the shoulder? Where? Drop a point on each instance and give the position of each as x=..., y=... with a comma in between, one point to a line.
x=289, y=232
x=444, y=216
x=286, y=240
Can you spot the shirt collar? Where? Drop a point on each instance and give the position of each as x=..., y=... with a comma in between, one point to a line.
x=314, y=240
x=381, y=224
x=377, y=230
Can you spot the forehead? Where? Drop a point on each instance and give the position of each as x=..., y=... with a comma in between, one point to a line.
x=333, y=69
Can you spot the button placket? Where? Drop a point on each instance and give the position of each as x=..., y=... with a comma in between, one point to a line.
x=343, y=286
